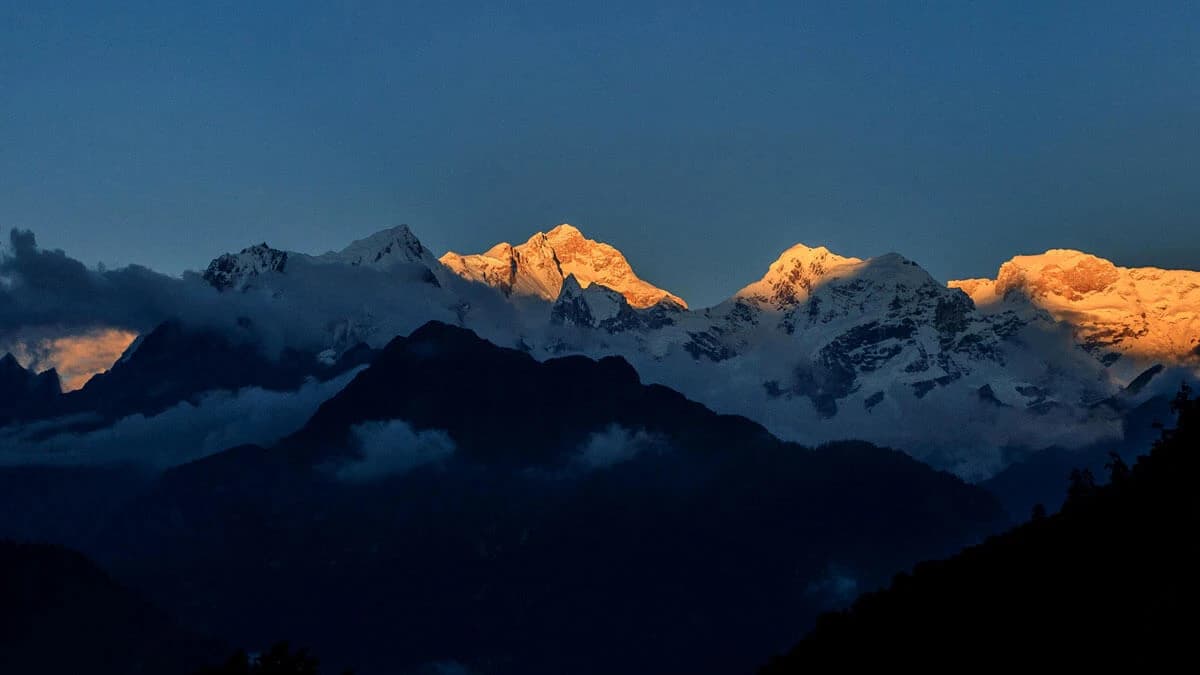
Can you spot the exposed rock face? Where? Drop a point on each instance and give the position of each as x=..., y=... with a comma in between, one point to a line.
x=600, y=307
x=1143, y=313
x=236, y=270
x=540, y=265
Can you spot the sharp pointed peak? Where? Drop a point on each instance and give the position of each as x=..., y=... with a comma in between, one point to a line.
x=503, y=249
x=537, y=239
x=802, y=251
x=571, y=284
x=395, y=233
x=565, y=230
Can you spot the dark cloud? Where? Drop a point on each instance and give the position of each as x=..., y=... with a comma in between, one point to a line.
x=49, y=288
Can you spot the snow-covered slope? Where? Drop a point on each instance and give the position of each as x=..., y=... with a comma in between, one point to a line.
x=387, y=249
x=238, y=270
x=539, y=266
x=384, y=250
x=1126, y=317
x=823, y=347
x=378, y=287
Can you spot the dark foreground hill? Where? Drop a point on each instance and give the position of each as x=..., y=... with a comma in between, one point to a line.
x=462, y=503
x=59, y=613
x=1113, y=576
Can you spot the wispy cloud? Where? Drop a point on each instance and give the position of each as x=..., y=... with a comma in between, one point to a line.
x=392, y=447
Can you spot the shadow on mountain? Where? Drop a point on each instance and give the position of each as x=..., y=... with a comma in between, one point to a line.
x=1040, y=478
x=1113, y=575
x=461, y=502
x=59, y=613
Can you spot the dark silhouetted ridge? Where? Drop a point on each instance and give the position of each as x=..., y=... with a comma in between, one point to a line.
x=1113, y=576
x=501, y=404
x=576, y=521
x=59, y=613
x=24, y=393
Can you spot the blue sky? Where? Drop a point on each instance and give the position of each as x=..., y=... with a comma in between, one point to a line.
x=700, y=138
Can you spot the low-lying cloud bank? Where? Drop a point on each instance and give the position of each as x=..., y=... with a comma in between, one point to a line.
x=179, y=434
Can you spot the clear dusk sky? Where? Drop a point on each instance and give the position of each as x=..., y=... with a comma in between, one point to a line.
x=701, y=138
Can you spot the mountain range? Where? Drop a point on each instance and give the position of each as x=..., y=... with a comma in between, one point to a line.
x=414, y=463
x=455, y=498
x=968, y=376
x=822, y=347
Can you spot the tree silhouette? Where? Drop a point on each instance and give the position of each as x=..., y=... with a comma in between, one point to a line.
x=1111, y=576
x=1082, y=485
x=1118, y=470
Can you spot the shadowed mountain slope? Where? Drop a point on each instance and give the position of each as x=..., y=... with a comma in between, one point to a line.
x=461, y=501
x=59, y=613
x=1112, y=575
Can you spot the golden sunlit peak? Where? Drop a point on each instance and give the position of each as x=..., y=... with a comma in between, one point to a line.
x=804, y=254
x=1144, y=312
x=539, y=266
x=565, y=229
x=801, y=250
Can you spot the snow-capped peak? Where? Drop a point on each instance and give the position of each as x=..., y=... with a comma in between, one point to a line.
x=384, y=249
x=793, y=276
x=595, y=262
x=1145, y=313
x=235, y=270
x=540, y=265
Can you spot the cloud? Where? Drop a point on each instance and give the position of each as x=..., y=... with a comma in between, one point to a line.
x=392, y=447
x=614, y=445
x=951, y=427
x=49, y=288
x=180, y=434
